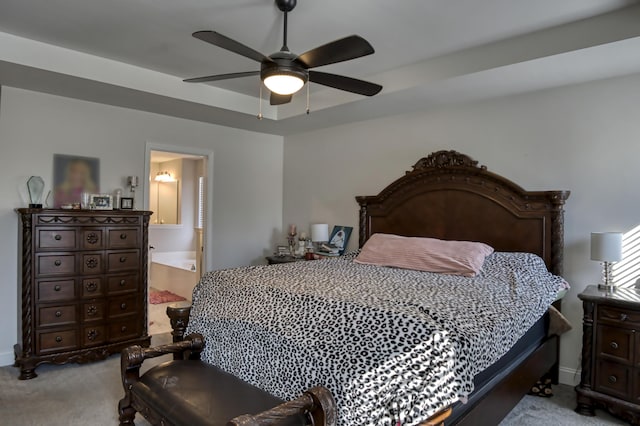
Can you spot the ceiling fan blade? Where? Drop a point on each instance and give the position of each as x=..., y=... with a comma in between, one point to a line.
x=231, y=45
x=280, y=99
x=348, y=84
x=221, y=77
x=347, y=48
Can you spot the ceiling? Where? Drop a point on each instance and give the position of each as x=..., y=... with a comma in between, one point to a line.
x=135, y=53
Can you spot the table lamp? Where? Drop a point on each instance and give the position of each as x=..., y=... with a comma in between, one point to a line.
x=606, y=247
x=320, y=233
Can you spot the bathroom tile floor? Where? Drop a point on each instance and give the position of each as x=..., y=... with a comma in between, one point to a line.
x=158, y=319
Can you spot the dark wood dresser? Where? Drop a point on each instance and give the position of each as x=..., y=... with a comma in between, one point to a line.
x=84, y=285
x=610, y=353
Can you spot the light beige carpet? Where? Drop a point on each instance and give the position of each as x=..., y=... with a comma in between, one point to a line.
x=73, y=394
x=88, y=394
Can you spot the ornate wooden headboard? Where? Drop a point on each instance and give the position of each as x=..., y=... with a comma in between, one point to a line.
x=448, y=196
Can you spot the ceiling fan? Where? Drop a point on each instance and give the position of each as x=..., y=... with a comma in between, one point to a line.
x=284, y=73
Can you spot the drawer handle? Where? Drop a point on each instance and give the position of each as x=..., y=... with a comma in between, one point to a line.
x=92, y=334
x=57, y=288
x=91, y=286
x=623, y=317
x=58, y=237
x=92, y=310
x=58, y=339
x=123, y=259
x=123, y=236
x=613, y=379
x=57, y=262
x=123, y=306
x=613, y=345
x=123, y=328
x=58, y=314
x=123, y=283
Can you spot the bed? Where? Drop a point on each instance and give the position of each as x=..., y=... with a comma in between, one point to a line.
x=271, y=333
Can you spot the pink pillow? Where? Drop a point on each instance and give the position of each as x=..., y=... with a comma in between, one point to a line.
x=425, y=254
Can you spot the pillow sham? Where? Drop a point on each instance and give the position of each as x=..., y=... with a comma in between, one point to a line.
x=425, y=254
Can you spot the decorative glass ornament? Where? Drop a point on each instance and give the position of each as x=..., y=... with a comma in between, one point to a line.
x=35, y=185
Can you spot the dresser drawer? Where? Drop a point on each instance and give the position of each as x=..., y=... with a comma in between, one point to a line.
x=123, y=330
x=124, y=261
x=51, y=291
x=57, y=239
x=57, y=341
x=56, y=315
x=93, y=335
x=618, y=316
x=121, y=306
x=93, y=311
x=615, y=344
x=636, y=386
x=122, y=284
x=56, y=264
x=614, y=379
x=92, y=263
x=91, y=287
x=122, y=238
x=92, y=239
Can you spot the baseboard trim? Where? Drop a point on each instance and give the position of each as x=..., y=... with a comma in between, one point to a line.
x=6, y=358
x=569, y=376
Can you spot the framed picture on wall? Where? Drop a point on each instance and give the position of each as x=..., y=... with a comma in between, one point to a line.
x=73, y=175
x=126, y=203
x=340, y=237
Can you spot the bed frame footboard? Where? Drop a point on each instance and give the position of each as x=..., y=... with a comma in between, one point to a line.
x=496, y=399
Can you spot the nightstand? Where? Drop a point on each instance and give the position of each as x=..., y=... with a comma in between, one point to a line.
x=274, y=260
x=610, y=353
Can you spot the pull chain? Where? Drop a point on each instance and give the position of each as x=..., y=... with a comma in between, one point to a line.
x=308, y=86
x=260, y=103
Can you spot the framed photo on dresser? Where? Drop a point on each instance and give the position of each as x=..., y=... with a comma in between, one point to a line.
x=126, y=203
x=101, y=202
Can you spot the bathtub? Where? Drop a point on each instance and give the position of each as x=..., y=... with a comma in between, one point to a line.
x=175, y=271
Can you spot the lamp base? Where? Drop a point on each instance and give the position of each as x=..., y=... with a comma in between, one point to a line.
x=607, y=278
x=35, y=206
x=607, y=287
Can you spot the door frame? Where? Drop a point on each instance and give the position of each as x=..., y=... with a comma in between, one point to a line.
x=146, y=186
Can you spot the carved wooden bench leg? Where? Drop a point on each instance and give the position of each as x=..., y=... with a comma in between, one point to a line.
x=178, y=314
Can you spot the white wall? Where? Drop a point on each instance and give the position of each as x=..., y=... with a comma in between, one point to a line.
x=247, y=191
x=584, y=138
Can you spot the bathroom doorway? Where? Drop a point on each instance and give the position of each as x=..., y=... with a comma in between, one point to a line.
x=175, y=187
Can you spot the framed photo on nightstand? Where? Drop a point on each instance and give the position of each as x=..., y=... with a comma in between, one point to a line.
x=340, y=237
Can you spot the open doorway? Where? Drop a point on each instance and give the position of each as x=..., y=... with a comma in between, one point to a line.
x=175, y=188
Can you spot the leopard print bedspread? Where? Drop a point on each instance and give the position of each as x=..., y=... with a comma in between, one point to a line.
x=392, y=345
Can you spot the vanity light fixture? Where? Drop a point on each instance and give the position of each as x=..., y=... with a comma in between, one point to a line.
x=164, y=177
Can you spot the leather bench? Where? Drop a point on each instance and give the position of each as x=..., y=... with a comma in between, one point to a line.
x=187, y=391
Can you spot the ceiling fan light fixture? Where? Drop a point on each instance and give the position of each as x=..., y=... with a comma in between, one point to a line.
x=284, y=82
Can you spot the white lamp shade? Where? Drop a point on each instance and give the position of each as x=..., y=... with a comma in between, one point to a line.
x=320, y=232
x=606, y=246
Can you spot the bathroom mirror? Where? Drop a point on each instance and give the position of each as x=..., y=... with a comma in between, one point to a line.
x=164, y=201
